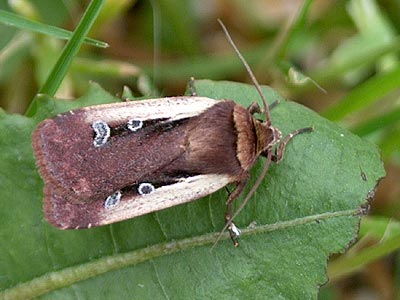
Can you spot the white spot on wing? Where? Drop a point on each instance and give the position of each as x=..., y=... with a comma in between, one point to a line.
x=135, y=125
x=145, y=188
x=113, y=200
x=102, y=133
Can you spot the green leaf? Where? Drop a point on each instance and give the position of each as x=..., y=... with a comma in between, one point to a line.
x=306, y=209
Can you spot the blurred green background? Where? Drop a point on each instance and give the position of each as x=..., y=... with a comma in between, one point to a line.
x=340, y=58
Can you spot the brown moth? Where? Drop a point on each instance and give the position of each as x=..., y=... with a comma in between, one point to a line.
x=107, y=163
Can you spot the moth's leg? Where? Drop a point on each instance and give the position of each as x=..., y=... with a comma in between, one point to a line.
x=280, y=151
x=192, y=88
x=255, y=107
x=233, y=230
x=274, y=104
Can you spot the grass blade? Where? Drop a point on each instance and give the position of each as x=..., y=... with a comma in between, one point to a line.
x=364, y=95
x=60, y=69
x=20, y=22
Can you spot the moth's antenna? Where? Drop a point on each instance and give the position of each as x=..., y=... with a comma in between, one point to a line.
x=268, y=122
x=252, y=77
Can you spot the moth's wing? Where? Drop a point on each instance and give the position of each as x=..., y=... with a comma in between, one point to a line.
x=73, y=168
x=79, y=177
x=66, y=214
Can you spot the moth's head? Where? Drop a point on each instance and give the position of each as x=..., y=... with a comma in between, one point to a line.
x=267, y=136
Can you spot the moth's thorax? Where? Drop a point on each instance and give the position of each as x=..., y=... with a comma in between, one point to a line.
x=267, y=136
x=246, y=137
x=253, y=137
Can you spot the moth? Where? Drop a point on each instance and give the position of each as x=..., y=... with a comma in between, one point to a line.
x=107, y=163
